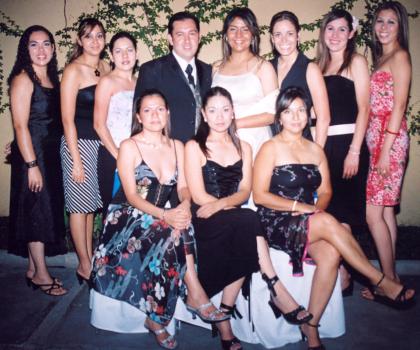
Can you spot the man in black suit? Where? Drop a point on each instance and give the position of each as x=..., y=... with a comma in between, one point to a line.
x=181, y=77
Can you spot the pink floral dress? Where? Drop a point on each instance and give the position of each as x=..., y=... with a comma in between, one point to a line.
x=383, y=190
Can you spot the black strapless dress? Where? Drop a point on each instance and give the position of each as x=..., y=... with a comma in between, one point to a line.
x=284, y=231
x=226, y=241
x=39, y=217
x=348, y=203
x=139, y=260
x=83, y=197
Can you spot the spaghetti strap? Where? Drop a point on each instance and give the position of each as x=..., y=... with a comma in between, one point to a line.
x=176, y=158
x=138, y=148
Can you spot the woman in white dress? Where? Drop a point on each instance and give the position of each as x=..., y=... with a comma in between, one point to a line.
x=250, y=79
x=113, y=109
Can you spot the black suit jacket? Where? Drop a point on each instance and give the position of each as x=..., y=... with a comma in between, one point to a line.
x=166, y=75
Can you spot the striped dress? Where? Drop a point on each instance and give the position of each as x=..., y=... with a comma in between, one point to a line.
x=82, y=197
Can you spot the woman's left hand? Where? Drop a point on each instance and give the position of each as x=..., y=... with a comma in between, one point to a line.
x=351, y=165
x=35, y=181
x=208, y=209
x=382, y=166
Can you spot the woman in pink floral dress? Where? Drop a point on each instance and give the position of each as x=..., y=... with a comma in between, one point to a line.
x=387, y=136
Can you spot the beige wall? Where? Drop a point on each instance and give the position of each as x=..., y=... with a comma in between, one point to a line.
x=50, y=14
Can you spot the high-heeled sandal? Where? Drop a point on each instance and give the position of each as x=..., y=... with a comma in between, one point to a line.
x=55, y=279
x=168, y=343
x=49, y=288
x=292, y=316
x=400, y=301
x=233, y=312
x=348, y=291
x=304, y=337
x=82, y=279
x=216, y=315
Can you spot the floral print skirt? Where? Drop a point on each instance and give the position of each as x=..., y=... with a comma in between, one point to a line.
x=141, y=260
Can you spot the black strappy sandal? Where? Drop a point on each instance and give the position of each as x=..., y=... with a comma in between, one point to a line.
x=49, y=288
x=292, y=316
x=304, y=338
x=399, y=302
x=233, y=312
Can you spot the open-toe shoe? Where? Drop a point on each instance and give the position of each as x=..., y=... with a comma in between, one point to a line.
x=216, y=315
x=48, y=288
x=168, y=343
x=293, y=316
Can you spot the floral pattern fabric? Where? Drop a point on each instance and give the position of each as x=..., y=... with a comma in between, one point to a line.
x=140, y=258
x=383, y=190
x=284, y=231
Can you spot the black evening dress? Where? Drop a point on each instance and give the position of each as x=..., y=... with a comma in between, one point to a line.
x=83, y=197
x=296, y=77
x=226, y=241
x=284, y=231
x=39, y=217
x=139, y=259
x=348, y=203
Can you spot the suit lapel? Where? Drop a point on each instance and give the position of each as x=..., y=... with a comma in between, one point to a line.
x=199, y=74
x=178, y=71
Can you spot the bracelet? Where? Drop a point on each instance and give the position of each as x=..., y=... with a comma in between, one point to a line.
x=163, y=214
x=294, y=205
x=354, y=153
x=32, y=164
x=392, y=132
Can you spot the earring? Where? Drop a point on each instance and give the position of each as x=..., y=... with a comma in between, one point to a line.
x=205, y=120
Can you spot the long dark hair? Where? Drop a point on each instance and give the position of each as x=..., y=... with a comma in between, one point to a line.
x=284, y=100
x=85, y=27
x=323, y=54
x=283, y=16
x=120, y=35
x=245, y=14
x=136, y=126
x=23, y=59
x=203, y=130
x=403, y=33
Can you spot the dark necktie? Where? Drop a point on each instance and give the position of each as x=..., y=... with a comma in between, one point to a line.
x=189, y=70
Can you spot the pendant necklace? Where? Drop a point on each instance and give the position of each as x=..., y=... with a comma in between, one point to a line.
x=95, y=69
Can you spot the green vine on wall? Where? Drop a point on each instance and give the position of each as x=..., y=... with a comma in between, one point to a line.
x=146, y=20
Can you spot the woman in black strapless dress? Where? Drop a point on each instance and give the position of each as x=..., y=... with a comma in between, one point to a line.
x=36, y=196
x=80, y=144
x=288, y=171
x=229, y=238
x=346, y=76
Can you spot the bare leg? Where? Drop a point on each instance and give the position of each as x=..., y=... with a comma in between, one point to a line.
x=345, y=277
x=89, y=234
x=31, y=265
x=327, y=260
x=78, y=223
x=284, y=301
x=382, y=236
x=391, y=222
x=196, y=294
x=230, y=293
x=325, y=227
x=41, y=275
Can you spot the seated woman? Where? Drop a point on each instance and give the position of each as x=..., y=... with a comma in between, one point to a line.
x=145, y=249
x=288, y=170
x=218, y=170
